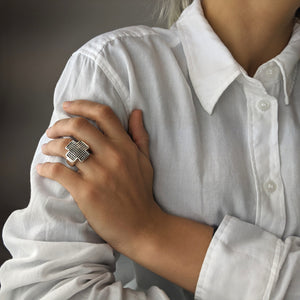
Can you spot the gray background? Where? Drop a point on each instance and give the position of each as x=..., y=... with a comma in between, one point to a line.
x=37, y=37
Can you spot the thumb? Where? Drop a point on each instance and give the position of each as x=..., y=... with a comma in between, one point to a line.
x=138, y=132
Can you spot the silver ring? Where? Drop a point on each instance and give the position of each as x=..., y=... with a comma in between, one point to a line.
x=77, y=151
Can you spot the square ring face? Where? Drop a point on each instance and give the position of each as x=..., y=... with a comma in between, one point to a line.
x=77, y=151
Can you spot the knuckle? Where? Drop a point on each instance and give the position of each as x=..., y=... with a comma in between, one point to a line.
x=78, y=123
x=54, y=169
x=89, y=193
x=106, y=177
x=105, y=111
x=117, y=159
x=66, y=142
x=56, y=123
x=118, y=162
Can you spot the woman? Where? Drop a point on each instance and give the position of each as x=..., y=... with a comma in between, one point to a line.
x=219, y=93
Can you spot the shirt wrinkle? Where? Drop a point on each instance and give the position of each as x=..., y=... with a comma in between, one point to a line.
x=236, y=138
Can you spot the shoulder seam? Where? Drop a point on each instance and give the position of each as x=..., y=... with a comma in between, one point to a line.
x=112, y=75
x=125, y=35
x=119, y=34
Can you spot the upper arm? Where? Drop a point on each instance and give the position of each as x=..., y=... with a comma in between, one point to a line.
x=56, y=254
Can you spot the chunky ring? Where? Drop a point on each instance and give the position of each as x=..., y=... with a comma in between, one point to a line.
x=77, y=151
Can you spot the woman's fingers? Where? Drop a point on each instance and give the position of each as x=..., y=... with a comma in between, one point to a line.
x=56, y=147
x=79, y=128
x=62, y=174
x=138, y=132
x=103, y=115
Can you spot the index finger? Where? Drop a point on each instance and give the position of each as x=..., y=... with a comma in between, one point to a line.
x=102, y=114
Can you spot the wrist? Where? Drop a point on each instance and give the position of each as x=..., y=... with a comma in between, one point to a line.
x=147, y=242
x=174, y=248
x=146, y=236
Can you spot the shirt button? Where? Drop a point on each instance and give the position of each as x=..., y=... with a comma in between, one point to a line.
x=270, y=71
x=270, y=186
x=264, y=105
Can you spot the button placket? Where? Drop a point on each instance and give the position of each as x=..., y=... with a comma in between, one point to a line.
x=263, y=142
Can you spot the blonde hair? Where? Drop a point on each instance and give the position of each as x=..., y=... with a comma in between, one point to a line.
x=170, y=10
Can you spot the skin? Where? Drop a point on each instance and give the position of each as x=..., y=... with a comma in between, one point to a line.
x=117, y=198
x=254, y=31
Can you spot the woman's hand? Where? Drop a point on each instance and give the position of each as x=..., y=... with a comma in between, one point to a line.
x=113, y=187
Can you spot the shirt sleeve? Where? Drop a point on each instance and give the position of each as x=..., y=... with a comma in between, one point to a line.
x=55, y=253
x=244, y=262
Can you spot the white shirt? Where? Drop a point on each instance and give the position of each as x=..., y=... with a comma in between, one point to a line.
x=225, y=151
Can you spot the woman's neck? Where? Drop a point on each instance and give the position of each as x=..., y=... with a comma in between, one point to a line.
x=254, y=31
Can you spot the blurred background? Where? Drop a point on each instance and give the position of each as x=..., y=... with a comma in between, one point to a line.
x=36, y=39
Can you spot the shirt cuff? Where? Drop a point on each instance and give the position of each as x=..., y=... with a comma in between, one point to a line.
x=242, y=262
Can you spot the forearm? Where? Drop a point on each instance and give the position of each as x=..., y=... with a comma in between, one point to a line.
x=175, y=249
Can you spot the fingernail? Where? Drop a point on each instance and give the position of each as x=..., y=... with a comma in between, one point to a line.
x=38, y=167
x=66, y=104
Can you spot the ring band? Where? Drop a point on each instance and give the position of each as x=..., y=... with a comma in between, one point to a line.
x=77, y=151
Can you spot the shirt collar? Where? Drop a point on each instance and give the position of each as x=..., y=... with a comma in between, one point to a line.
x=287, y=62
x=211, y=66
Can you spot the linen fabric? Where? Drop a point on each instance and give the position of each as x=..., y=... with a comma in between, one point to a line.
x=225, y=152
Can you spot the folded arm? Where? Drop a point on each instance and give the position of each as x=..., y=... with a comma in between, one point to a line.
x=57, y=255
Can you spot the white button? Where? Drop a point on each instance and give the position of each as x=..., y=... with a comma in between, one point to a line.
x=271, y=70
x=270, y=186
x=264, y=105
